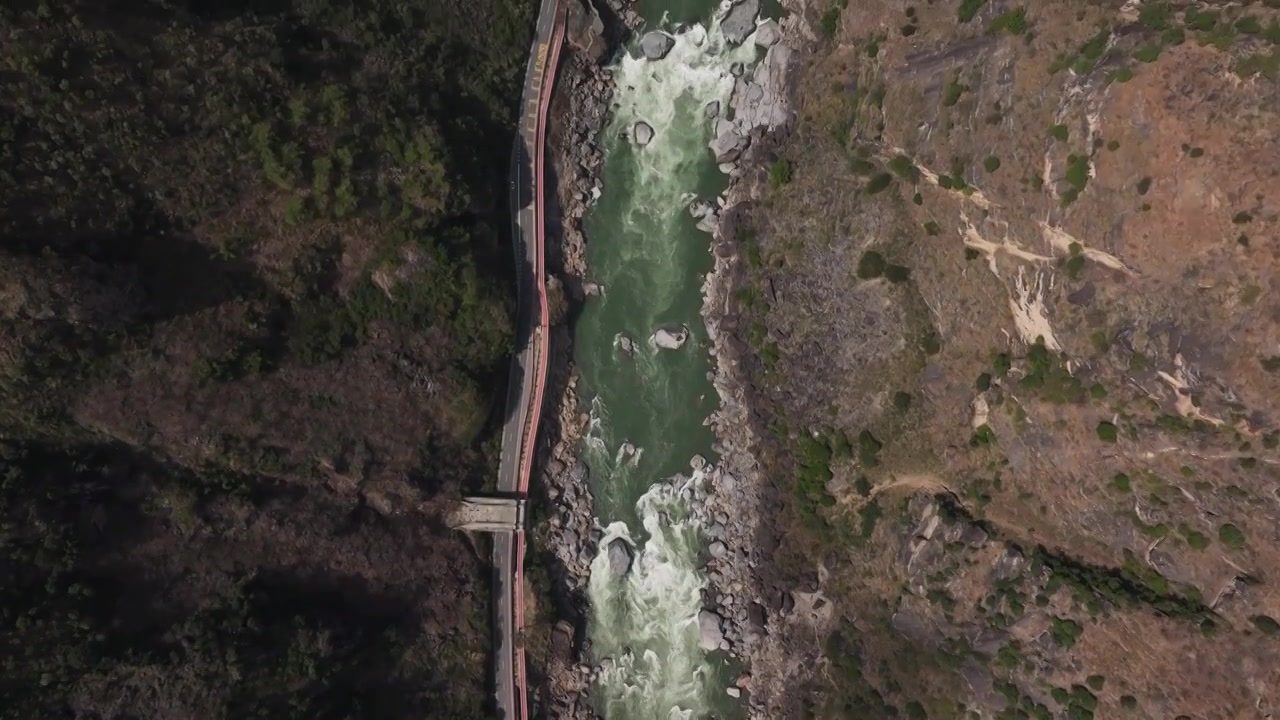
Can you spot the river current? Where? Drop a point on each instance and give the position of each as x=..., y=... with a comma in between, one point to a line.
x=649, y=406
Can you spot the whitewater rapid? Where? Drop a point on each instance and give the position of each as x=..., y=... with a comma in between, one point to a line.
x=648, y=410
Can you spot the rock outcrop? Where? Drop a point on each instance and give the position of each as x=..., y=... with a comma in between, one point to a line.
x=584, y=30
x=759, y=104
x=740, y=21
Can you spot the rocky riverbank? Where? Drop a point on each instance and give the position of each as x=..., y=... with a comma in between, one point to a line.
x=739, y=612
x=739, y=606
x=569, y=531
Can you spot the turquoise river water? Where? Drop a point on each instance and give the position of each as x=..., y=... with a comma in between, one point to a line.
x=648, y=410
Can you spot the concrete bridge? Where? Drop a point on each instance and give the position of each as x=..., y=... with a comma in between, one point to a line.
x=488, y=514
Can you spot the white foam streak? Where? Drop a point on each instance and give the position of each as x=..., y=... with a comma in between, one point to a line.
x=645, y=630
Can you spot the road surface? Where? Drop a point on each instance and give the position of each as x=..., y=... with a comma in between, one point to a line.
x=528, y=366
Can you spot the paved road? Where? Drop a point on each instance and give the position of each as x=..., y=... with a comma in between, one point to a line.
x=528, y=366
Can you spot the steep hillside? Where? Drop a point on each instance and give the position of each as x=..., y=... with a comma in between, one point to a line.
x=1012, y=294
x=255, y=315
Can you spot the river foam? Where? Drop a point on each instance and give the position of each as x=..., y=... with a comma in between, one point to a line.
x=644, y=628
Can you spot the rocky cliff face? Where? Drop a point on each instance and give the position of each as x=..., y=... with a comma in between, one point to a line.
x=1008, y=315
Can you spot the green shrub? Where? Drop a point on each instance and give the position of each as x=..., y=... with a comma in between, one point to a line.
x=1231, y=536
x=1013, y=22
x=830, y=21
x=932, y=228
x=951, y=95
x=1249, y=25
x=969, y=9
x=983, y=383
x=868, y=449
x=1144, y=185
x=1266, y=624
x=1120, y=482
x=1095, y=682
x=1154, y=14
x=1148, y=54
x=931, y=343
x=991, y=163
x=902, y=401
x=1059, y=132
x=1097, y=391
x=1066, y=632
x=983, y=435
x=1128, y=702
x=1200, y=21
x=1106, y=431
x=871, y=265
x=780, y=173
x=1000, y=363
x=897, y=273
x=1197, y=540
x=1078, y=171
x=1241, y=218
x=878, y=183
x=862, y=486
x=1121, y=74
x=902, y=166
x=1074, y=265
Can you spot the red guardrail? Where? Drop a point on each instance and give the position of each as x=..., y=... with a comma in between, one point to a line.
x=542, y=337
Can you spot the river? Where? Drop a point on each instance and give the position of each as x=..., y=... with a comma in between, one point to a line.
x=648, y=407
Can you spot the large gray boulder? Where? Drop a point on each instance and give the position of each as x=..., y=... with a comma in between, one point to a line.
x=620, y=557
x=728, y=143
x=740, y=21
x=655, y=45
x=767, y=33
x=642, y=133
x=670, y=338
x=711, y=636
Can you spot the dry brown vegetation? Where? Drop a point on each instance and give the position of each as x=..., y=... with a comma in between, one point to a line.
x=1075, y=379
x=255, y=318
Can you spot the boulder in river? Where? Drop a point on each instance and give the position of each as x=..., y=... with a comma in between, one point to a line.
x=740, y=21
x=711, y=110
x=767, y=33
x=711, y=636
x=670, y=338
x=620, y=557
x=642, y=133
x=656, y=45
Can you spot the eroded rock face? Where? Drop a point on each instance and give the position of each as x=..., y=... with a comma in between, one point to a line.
x=656, y=45
x=740, y=21
x=584, y=29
